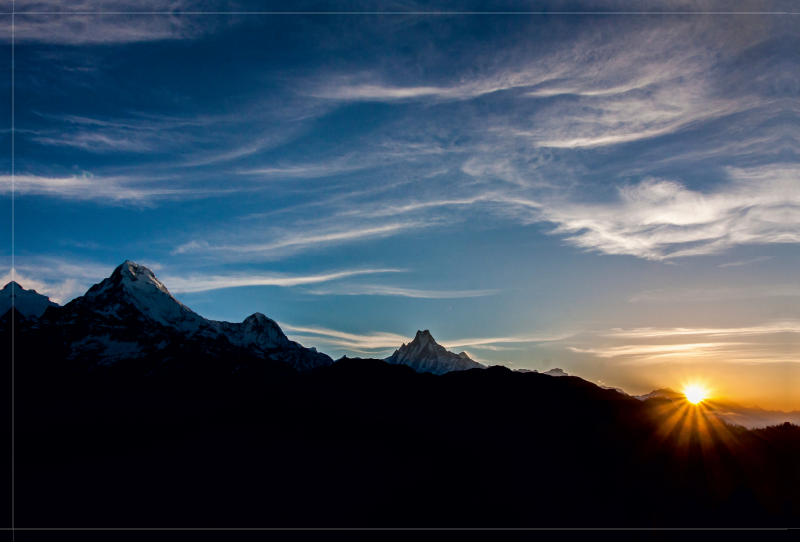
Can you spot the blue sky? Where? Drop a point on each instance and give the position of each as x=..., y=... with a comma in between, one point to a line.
x=616, y=195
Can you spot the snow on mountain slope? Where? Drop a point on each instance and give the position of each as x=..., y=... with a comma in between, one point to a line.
x=29, y=303
x=256, y=330
x=134, y=286
x=264, y=336
x=132, y=314
x=425, y=355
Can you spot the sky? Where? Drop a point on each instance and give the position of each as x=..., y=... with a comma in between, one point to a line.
x=617, y=195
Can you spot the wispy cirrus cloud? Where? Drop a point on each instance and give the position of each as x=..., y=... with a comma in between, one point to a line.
x=392, y=291
x=660, y=219
x=489, y=342
x=609, y=92
x=86, y=187
x=654, y=352
x=775, y=341
x=677, y=295
x=656, y=219
x=364, y=343
x=746, y=262
x=132, y=134
x=786, y=326
x=289, y=242
x=714, y=352
x=115, y=189
x=215, y=282
x=604, y=120
x=180, y=141
x=632, y=94
x=96, y=142
x=78, y=22
x=306, y=171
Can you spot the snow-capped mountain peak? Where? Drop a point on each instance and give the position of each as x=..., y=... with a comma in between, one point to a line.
x=425, y=355
x=27, y=302
x=258, y=319
x=256, y=330
x=137, y=280
x=423, y=338
x=134, y=285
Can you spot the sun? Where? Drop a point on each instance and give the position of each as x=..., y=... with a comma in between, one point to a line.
x=695, y=394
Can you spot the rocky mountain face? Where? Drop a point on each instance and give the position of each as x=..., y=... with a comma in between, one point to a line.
x=28, y=303
x=132, y=316
x=425, y=355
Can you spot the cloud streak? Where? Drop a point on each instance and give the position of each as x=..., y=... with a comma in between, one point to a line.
x=679, y=295
x=296, y=241
x=787, y=326
x=363, y=343
x=88, y=187
x=746, y=262
x=769, y=342
x=486, y=342
x=215, y=282
x=52, y=22
x=653, y=352
x=382, y=290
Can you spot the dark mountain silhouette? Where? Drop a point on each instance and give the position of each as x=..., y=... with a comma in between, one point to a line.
x=366, y=443
x=667, y=393
x=425, y=355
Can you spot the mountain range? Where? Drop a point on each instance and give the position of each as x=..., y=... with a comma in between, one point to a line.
x=131, y=410
x=130, y=326
x=131, y=317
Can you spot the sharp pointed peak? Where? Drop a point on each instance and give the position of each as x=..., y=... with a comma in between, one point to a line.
x=132, y=270
x=13, y=288
x=138, y=281
x=258, y=317
x=424, y=335
x=29, y=303
x=16, y=285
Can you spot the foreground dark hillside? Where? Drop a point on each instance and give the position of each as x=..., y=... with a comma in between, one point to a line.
x=364, y=443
